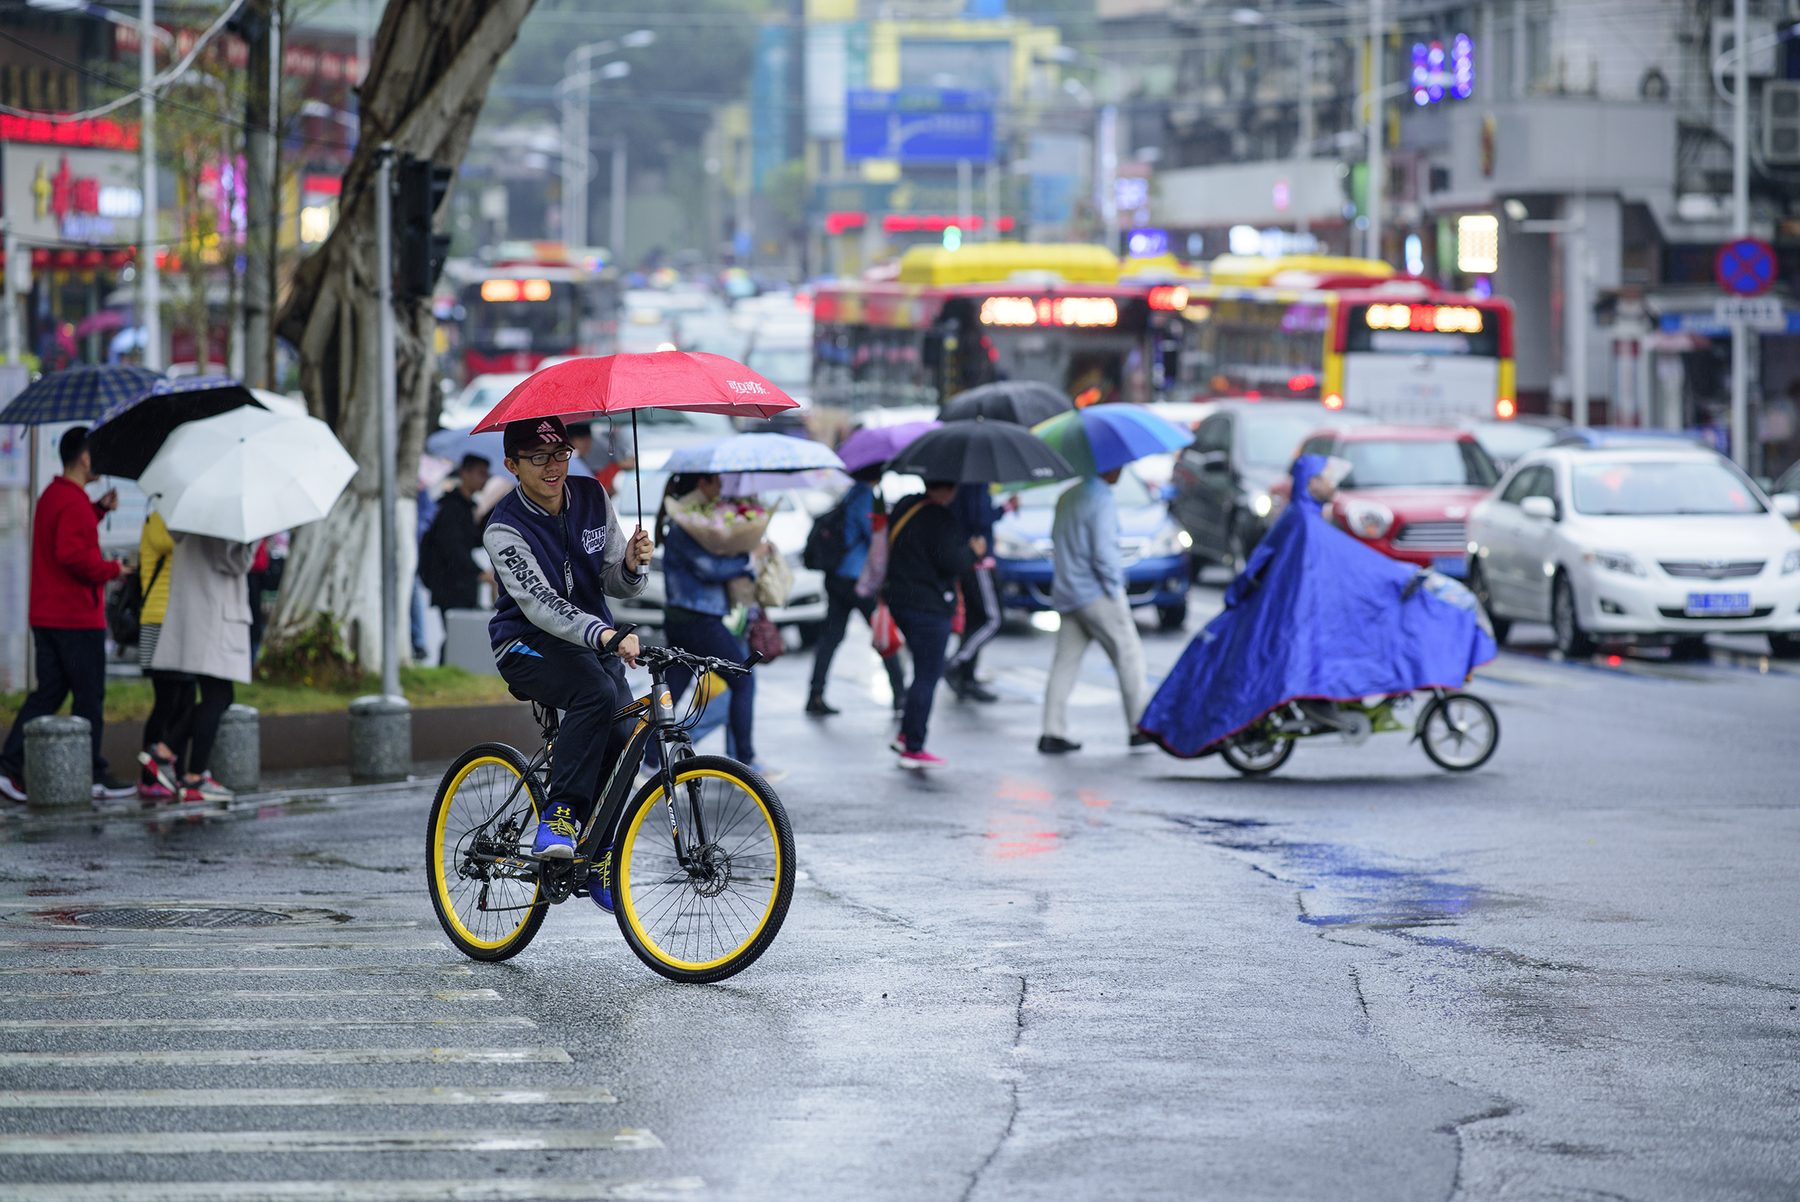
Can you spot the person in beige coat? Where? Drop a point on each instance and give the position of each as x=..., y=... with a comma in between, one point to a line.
x=205, y=632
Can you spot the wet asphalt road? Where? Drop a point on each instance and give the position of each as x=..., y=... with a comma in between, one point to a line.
x=1569, y=975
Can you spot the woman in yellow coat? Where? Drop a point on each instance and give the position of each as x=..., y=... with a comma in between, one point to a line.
x=173, y=691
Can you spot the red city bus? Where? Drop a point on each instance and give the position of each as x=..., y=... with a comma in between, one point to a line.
x=526, y=307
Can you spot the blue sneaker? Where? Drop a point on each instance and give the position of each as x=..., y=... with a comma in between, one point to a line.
x=599, y=883
x=556, y=834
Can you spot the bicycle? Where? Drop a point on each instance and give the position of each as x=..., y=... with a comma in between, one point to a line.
x=700, y=885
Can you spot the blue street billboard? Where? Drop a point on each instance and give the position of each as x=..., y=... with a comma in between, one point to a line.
x=919, y=125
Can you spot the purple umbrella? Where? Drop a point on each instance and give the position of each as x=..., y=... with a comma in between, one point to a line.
x=880, y=443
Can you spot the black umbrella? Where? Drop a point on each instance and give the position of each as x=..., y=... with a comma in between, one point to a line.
x=982, y=452
x=128, y=435
x=1025, y=402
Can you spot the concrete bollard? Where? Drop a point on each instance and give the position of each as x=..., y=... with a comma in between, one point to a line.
x=237, y=753
x=59, y=762
x=380, y=738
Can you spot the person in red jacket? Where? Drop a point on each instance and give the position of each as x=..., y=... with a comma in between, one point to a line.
x=68, y=614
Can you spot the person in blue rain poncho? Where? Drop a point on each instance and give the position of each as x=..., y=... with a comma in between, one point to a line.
x=1314, y=615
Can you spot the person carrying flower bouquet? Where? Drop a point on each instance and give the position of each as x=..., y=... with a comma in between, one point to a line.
x=695, y=599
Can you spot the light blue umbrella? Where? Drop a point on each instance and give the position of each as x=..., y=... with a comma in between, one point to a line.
x=753, y=453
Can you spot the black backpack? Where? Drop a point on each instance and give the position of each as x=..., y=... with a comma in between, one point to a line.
x=826, y=545
x=125, y=604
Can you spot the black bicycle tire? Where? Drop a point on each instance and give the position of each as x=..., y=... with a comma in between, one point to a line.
x=787, y=862
x=534, y=918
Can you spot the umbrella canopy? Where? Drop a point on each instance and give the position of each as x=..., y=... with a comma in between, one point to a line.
x=753, y=453
x=1025, y=402
x=131, y=432
x=595, y=387
x=982, y=452
x=1101, y=437
x=749, y=484
x=247, y=474
x=878, y=444
x=77, y=394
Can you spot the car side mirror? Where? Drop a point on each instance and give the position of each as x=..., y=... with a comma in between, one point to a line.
x=1538, y=507
x=1787, y=504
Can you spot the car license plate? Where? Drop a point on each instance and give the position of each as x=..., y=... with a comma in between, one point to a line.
x=1449, y=565
x=1718, y=605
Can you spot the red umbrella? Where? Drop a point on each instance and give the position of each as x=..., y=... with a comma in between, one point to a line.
x=692, y=380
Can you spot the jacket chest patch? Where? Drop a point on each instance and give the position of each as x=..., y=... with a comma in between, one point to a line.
x=593, y=541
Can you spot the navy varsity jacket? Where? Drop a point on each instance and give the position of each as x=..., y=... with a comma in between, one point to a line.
x=557, y=569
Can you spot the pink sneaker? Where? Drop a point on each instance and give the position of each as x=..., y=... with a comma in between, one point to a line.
x=921, y=759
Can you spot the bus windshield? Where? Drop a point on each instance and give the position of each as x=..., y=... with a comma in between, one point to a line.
x=521, y=325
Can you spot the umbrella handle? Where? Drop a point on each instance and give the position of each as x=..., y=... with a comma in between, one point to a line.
x=637, y=470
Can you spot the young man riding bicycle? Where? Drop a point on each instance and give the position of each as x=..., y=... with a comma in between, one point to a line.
x=558, y=551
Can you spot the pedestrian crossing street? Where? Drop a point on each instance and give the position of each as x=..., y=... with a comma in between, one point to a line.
x=253, y=1068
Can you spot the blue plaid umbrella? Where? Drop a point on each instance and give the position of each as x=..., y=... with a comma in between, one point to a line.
x=78, y=394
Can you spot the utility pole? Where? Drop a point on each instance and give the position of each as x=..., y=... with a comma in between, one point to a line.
x=1740, y=228
x=616, y=216
x=1303, y=145
x=1377, y=134
x=255, y=25
x=390, y=421
x=1106, y=175
x=149, y=286
x=12, y=293
x=965, y=195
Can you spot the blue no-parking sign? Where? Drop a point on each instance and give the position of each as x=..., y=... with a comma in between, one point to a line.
x=1745, y=267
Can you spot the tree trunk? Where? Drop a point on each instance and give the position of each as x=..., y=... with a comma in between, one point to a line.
x=427, y=78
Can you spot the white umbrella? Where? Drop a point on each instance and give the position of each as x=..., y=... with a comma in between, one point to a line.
x=247, y=474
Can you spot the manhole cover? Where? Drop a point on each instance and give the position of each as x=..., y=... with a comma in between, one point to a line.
x=149, y=917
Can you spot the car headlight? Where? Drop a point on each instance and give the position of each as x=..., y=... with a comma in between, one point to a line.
x=1366, y=519
x=1168, y=541
x=1792, y=562
x=1616, y=561
x=1261, y=503
x=1008, y=545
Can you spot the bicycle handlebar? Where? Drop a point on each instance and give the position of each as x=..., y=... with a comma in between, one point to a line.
x=607, y=646
x=663, y=657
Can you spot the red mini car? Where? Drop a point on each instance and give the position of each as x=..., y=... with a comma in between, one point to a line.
x=1410, y=489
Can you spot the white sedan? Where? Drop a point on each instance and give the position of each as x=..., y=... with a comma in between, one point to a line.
x=1639, y=544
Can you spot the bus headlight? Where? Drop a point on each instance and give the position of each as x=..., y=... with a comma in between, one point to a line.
x=1008, y=545
x=1366, y=519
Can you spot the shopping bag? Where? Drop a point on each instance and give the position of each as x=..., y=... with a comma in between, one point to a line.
x=885, y=632
x=774, y=580
x=874, y=573
x=959, y=621
x=764, y=638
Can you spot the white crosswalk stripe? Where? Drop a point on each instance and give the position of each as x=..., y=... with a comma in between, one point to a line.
x=112, y=1015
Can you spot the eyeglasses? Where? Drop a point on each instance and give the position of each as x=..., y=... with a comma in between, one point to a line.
x=542, y=458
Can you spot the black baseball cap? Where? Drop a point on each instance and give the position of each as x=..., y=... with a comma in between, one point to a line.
x=531, y=432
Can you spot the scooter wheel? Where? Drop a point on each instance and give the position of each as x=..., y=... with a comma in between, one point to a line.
x=1256, y=753
x=1459, y=731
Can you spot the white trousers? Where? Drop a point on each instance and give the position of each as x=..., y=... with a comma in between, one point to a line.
x=1108, y=621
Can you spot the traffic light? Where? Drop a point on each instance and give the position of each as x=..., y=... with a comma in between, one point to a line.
x=419, y=254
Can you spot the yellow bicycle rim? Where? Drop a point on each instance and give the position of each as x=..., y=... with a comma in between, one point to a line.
x=438, y=865
x=622, y=870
